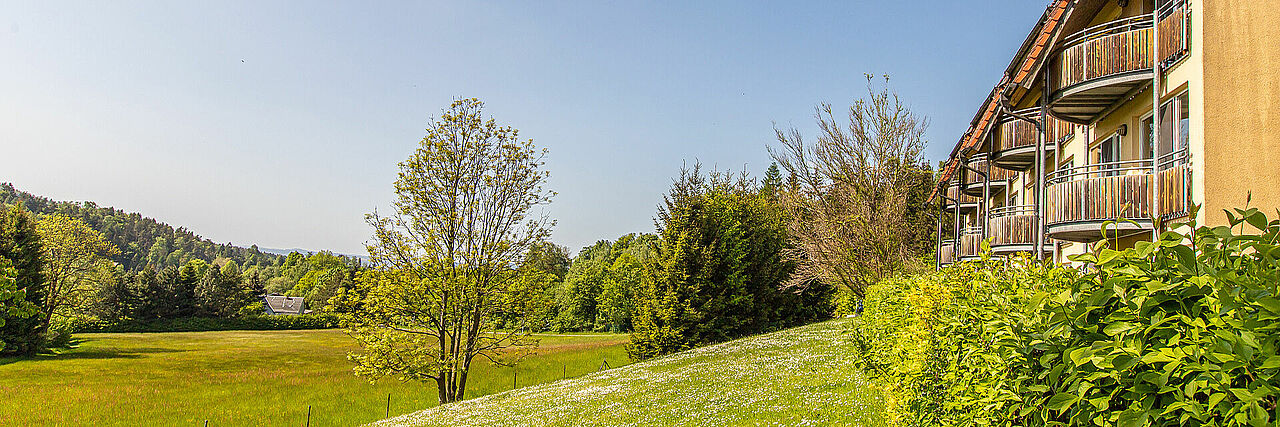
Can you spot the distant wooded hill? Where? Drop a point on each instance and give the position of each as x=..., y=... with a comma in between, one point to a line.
x=142, y=241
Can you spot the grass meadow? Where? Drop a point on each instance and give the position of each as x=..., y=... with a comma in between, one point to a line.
x=797, y=377
x=247, y=378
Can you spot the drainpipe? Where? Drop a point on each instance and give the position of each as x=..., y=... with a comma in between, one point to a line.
x=1042, y=136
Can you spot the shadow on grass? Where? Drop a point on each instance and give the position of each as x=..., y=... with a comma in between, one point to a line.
x=91, y=354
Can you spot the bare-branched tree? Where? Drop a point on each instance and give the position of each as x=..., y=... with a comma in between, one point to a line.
x=447, y=261
x=856, y=195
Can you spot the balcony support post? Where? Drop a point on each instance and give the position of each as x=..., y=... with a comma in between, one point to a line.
x=1045, y=136
x=1155, y=122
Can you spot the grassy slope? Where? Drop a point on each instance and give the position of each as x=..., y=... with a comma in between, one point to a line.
x=244, y=378
x=799, y=376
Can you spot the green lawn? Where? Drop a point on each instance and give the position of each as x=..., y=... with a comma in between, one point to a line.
x=246, y=378
x=796, y=377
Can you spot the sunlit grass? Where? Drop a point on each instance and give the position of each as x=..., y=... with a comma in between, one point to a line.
x=246, y=378
x=797, y=377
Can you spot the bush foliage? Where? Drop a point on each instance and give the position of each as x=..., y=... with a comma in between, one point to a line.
x=1184, y=330
x=200, y=324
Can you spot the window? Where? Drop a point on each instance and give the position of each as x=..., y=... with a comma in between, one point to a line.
x=1106, y=154
x=1175, y=131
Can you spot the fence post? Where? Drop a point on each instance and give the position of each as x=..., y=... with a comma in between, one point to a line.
x=514, y=374
x=388, y=405
x=308, y=415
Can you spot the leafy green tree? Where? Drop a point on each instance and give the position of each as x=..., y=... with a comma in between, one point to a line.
x=13, y=301
x=449, y=255
x=218, y=292
x=577, y=295
x=77, y=262
x=20, y=244
x=718, y=268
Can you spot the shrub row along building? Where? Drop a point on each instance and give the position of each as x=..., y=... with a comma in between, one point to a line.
x=1069, y=142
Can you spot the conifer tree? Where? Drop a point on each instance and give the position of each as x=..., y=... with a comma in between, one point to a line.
x=20, y=243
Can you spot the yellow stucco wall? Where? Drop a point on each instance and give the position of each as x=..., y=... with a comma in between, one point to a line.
x=1241, y=54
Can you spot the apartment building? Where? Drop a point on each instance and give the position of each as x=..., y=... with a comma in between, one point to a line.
x=1069, y=148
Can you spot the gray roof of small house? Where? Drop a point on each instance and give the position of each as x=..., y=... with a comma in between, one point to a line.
x=284, y=305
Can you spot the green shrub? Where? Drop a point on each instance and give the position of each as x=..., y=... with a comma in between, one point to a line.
x=197, y=324
x=59, y=334
x=1184, y=330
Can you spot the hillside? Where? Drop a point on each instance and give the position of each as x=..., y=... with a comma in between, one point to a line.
x=800, y=376
x=142, y=241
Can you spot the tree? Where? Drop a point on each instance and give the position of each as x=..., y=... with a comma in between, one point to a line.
x=13, y=301
x=856, y=194
x=463, y=222
x=218, y=292
x=718, y=268
x=76, y=263
x=20, y=244
x=577, y=294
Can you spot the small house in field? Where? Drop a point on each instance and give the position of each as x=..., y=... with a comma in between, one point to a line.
x=280, y=304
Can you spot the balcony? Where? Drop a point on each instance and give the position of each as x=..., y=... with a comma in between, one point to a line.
x=946, y=252
x=1012, y=229
x=967, y=202
x=1015, y=147
x=1082, y=199
x=973, y=181
x=1102, y=65
x=970, y=243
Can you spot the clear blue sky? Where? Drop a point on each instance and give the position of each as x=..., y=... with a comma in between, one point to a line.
x=281, y=123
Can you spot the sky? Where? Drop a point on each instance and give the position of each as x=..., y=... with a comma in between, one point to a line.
x=281, y=123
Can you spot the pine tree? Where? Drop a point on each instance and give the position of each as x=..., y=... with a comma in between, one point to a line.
x=20, y=243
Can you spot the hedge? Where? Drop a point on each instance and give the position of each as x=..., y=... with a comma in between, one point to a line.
x=1182, y=331
x=197, y=324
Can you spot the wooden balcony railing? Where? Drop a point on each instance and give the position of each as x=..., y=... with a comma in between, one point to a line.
x=954, y=193
x=1016, y=133
x=1173, y=185
x=1012, y=225
x=1100, y=192
x=946, y=252
x=1174, y=37
x=1123, y=46
x=970, y=242
x=1109, y=49
x=980, y=163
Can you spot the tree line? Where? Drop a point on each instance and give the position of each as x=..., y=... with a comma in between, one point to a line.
x=58, y=272
x=461, y=267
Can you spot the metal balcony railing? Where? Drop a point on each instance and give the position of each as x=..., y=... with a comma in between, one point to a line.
x=1016, y=133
